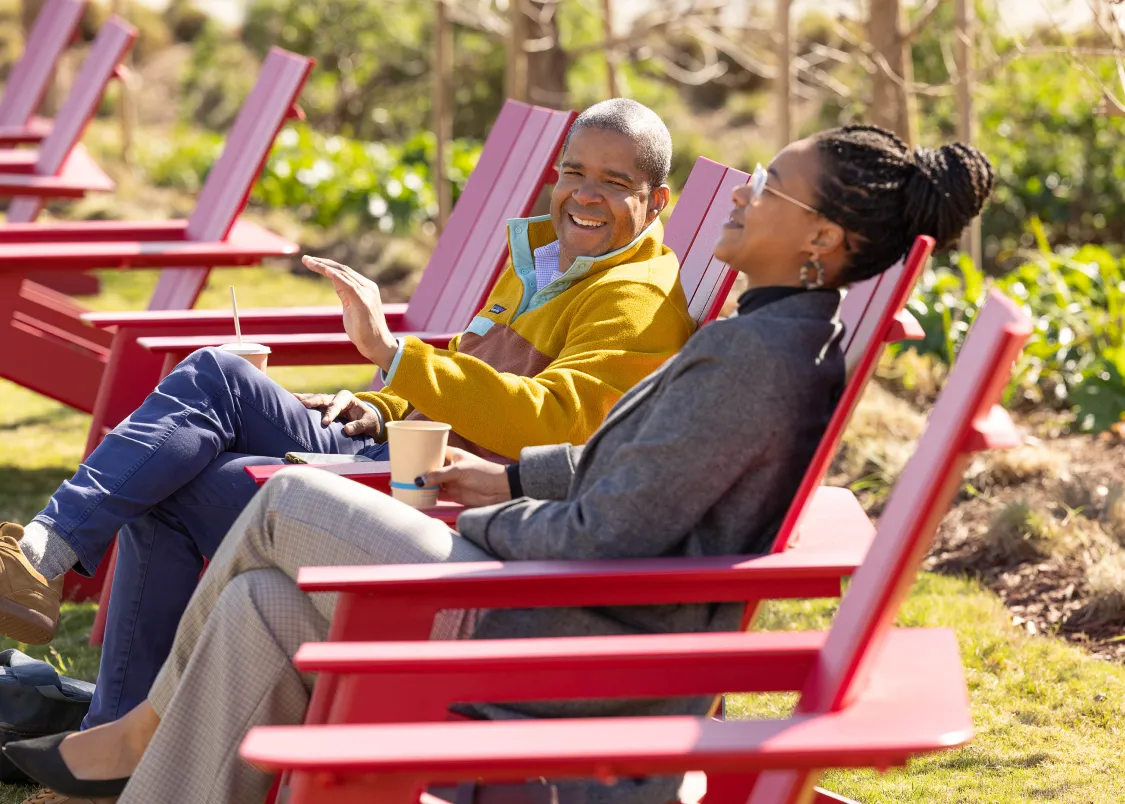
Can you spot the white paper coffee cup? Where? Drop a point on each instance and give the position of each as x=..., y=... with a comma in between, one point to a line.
x=256, y=353
x=416, y=447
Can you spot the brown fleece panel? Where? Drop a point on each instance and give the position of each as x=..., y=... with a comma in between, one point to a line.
x=506, y=351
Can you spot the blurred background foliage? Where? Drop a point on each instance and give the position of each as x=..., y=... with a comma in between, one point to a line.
x=363, y=160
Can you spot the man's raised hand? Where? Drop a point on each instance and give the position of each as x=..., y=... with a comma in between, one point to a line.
x=363, y=310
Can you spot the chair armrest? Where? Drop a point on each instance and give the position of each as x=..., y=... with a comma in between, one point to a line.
x=289, y=350
x=12, y=184
x=640, y=666
x=318, y=319
x=915, y=701
x=905, y=327
x=247, y=244
x=607, y=582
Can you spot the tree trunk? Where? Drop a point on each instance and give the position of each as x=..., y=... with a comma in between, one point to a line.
x=443, y=111
x=963, y=26
x=783, y=43
x=547, y=64
x=892, y=103
x=612, y=84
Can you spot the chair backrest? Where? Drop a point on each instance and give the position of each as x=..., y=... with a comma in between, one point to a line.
x=694, y=228
x=111, y=44
x=867, y=312
x=518, y=158
x=30, y=77
x=227, y=189
x=965, y=418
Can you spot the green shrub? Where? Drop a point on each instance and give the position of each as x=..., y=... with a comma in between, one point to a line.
x=1075, y=359
x=324, y=179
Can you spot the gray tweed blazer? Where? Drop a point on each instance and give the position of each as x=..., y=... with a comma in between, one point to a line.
x=701, y=458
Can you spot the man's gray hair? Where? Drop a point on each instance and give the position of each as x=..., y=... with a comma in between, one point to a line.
x=640, y=124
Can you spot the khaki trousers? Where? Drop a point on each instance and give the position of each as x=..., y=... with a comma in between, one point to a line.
x=230, y=668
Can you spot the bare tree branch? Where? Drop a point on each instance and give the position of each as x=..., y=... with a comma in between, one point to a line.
x=924, y=16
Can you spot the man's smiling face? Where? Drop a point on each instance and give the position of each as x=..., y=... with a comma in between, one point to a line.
x=601, y=201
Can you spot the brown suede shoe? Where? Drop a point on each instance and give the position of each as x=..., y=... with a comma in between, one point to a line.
x=46, y=796
x=29, y=603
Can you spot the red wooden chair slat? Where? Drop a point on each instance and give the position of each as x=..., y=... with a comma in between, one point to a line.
x=31, y=76
x=870, y=696
x=26, y=247
x=111, y=44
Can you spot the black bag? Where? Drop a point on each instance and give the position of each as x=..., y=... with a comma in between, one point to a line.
x=35, y=701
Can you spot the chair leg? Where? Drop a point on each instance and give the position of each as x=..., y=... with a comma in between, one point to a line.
x=822, y=796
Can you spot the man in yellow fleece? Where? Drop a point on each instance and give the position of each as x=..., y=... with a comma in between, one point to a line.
x=589, y=304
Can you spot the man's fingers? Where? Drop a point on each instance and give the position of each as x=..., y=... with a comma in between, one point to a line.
x=339, y=402
x=313, y=400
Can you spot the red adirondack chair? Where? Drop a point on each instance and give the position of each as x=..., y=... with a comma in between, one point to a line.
x=47, y=347
x=516, y=163
x=871, y=696
x=61, y=167
x=54, y=29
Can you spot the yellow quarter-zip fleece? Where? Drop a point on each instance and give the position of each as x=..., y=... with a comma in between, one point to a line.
x=545, y=366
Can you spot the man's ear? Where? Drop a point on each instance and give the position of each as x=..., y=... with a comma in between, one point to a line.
x=658, y=201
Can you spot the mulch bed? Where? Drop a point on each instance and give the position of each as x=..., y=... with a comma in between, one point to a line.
x=1048, y=595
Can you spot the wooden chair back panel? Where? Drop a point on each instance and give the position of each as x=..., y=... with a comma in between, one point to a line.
x=231, y=179
x=440, y=275
x=707, y=280
x=267, y=107
x=30, y=77
x=111, y=44
x=867, y=312
x=918, y=502
x=514, y=176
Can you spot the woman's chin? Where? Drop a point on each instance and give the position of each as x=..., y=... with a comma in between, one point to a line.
x=724, y=251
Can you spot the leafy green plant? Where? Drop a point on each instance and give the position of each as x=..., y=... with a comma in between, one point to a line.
x=325, y=179
x=1075, y=360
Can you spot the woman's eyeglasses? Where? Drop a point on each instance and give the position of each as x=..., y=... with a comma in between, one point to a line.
x=758, y=185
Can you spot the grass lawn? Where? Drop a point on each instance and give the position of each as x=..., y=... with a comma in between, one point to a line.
x=1048, y=717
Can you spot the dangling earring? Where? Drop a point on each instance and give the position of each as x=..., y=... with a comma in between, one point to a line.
x=812, y=274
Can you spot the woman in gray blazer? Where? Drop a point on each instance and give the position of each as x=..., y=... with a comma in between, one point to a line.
x=701, y=458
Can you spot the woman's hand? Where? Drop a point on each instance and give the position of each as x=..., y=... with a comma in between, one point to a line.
x=361, y=419
x=363, y=310
x=470, y=480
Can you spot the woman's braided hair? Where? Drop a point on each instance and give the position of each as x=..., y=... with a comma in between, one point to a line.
x=885, y=194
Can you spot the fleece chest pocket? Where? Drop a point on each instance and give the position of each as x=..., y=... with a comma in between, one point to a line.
x=480, y=326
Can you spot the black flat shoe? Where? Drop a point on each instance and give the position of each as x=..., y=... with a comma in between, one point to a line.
x=40, y=759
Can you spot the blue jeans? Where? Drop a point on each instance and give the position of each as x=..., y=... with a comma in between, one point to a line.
x=169, y=481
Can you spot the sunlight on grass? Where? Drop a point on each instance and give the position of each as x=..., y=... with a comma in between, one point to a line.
x=1047, y=716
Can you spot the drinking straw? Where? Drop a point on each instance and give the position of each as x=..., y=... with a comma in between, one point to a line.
x=234, y=304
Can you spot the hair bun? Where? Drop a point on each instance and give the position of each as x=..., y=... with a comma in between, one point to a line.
x=946, y=190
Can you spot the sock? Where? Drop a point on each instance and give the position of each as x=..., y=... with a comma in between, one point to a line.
x=47, y=551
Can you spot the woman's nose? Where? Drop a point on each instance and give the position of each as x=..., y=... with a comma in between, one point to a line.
x=740, y=195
